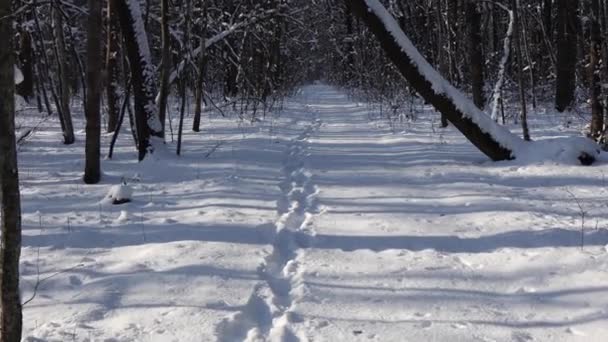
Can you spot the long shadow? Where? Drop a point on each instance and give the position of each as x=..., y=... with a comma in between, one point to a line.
x=122, y=236
x=523, y=239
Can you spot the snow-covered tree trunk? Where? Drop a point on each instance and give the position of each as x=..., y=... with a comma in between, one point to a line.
x=493, y=140
x=502, y=66
x=147, y=120
x=10, y=203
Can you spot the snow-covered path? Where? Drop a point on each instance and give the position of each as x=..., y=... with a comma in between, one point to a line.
x=319, y=225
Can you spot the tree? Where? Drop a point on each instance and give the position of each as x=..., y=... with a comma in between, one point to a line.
x=565, y=84
x=473, y=17
x=10, y=202
x=134, y=34
x=595, y=66
x=113, y=67
x=92, y=170
x=63, y=105
x=463, y=114
x=165, y=62
x=520, y=70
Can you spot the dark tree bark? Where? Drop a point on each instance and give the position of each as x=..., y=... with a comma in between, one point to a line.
x=92, y=170
x=548, y=16
x=202, y=68
x=520, y=62
x=113, y=67
x=10, y=202
x=142, y=74
x=595, y=65
x=567, y=12
x=65, y=114
x=25, y=89
x=473, y=17
x=165, y=63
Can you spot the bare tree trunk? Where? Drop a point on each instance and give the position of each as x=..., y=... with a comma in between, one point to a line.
x=113, y=67
x=202, y=68
x=595, y=65
x=166, y=63
x=10, y=202
x=64, y=87
x=473, y=17
x=520, y=76
x=92, y=170
x=409, y=68
x=567, y=12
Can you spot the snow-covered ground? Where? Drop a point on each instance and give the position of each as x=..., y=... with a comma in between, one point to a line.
x=315, y=225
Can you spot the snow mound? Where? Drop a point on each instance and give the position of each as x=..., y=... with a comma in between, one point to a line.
x=569, y=150
x=18, y=75
x=119, y=194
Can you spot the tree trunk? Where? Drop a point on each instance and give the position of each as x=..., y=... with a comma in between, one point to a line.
x=567, y=11
x=202, y=68
x=166, y=63
x=595, y=65
x=64, y=86
x=92, y=170
x=473, y=17
x=463, y=114
x=26, y=54
x=520, y=71
x=135, y=39
x=10, y=202
x=113, y=67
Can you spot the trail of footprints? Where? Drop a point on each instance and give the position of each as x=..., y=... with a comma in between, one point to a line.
x=268, y=314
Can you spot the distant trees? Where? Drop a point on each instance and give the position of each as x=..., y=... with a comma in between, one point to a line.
x=10, y=204
x=244, y=56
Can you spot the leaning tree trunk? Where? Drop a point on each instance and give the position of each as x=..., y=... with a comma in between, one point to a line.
x=147, y=121
x=92, y=170
x=10, y=203
x=567, y=16
x=493, y=140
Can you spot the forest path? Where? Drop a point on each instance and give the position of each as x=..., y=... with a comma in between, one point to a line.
x=268, y=312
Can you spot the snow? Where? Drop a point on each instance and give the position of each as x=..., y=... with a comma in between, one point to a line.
x=18, y=75
x=119, y=194
x=315, y=224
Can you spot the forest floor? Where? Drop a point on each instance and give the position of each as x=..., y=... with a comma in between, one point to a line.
x=318, y=224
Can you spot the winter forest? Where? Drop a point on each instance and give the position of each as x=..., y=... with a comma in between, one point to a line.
x=303, y=170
